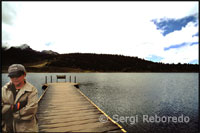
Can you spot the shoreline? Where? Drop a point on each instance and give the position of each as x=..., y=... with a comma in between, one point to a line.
x=78, y=70
x=99, y=72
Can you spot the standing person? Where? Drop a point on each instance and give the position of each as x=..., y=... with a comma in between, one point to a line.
x=19, y=102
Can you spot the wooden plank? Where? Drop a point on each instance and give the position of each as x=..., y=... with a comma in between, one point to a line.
x=115, y=131
x=71, y=115
x=68, y=123
x=59, y=111
x=46, y=110
x=69, y=112
x=100, y=129
x=56, y=102
x=66, y=107
x=77, y=127
x=43, y=122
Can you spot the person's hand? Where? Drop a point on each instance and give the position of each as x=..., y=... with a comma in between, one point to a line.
x=18, y=106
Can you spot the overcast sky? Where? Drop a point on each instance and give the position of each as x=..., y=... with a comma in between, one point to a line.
x=158, y=31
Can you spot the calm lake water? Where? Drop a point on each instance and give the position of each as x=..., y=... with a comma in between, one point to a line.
x=140, y=102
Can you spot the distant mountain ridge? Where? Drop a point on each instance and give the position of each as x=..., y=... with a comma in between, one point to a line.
x=50, y=61
x=21, y=54
x=50, y=52
x=24, y=46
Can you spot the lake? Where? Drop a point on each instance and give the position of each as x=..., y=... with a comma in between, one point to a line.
x=140, y=102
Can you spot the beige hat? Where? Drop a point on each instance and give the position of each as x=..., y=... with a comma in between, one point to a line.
x=16, y=70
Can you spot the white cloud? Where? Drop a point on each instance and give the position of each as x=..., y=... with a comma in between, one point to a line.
x=183, y=55
x=184, y=35
x=97, y=27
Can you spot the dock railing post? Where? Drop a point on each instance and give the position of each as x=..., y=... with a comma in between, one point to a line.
x=51, y=78
x=75, y=79
x=70, y=79
x=65, y=79
x=45, y=79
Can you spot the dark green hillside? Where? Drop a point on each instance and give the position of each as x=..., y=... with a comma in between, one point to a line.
x=36, y=61
x=116, y=63
x=100, y=62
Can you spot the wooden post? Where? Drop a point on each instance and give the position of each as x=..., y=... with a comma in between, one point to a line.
x=51, y=78
x=75, y=79
x=65, y=78
x=69, y=78
x=45, y=79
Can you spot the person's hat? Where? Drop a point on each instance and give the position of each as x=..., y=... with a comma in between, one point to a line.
x=16, y=70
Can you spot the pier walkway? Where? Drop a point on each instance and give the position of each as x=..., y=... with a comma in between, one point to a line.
x=64, y=108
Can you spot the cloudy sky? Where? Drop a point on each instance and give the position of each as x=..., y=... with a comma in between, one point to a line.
x=158, y=31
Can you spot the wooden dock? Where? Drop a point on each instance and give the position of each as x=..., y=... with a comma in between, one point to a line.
x=64, y=108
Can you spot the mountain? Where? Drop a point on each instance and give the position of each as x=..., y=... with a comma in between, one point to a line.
x=24, y=47
x=50, y=52
x=21, y=54
x=50, y=61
